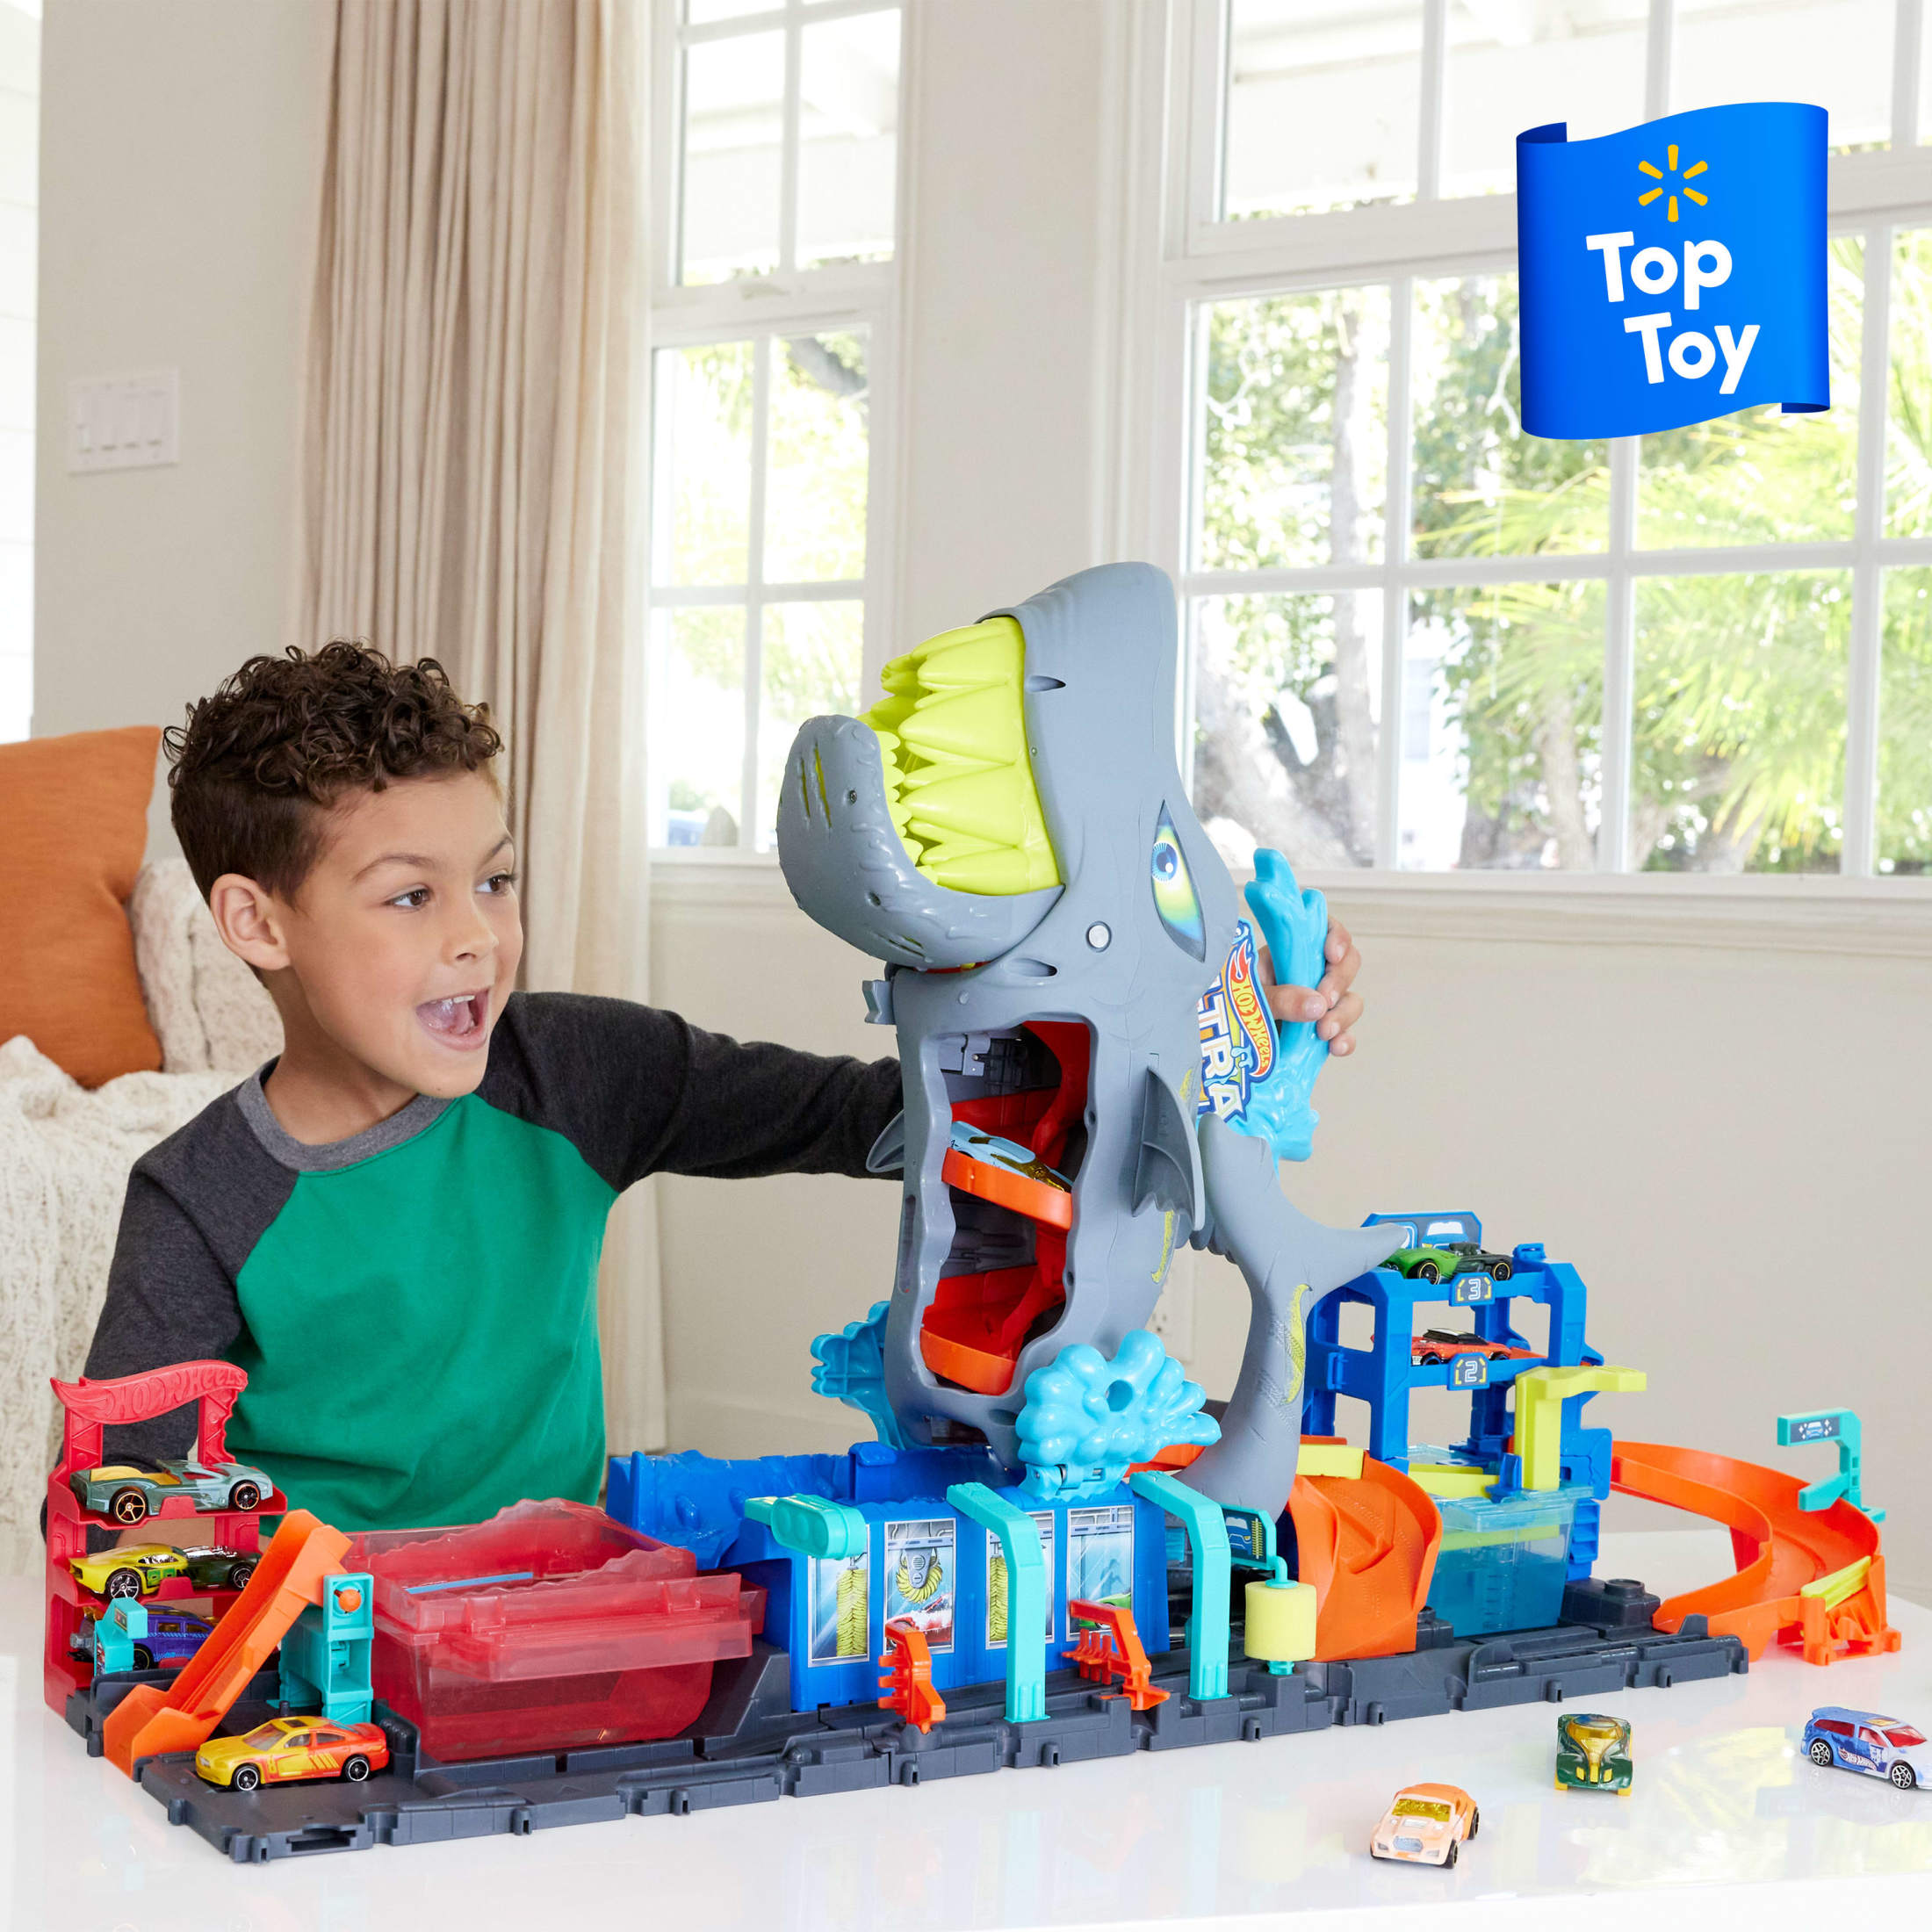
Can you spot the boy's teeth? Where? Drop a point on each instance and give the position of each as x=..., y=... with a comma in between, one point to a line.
x=952, y=740
x=449, y=1015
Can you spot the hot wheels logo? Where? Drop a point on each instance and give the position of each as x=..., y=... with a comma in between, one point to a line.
x=1244, y=997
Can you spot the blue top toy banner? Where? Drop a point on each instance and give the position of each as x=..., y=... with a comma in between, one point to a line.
x=1673, y=272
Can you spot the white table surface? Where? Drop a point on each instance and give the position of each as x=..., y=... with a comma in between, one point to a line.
x=1727, y=1825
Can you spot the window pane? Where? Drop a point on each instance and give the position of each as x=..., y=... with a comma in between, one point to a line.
x=1483, y=489
x=1503, y=698
x=849, y=119
x=1738, y=749
x=1762, y=477
x=734, y=113
x=810, y=666
x=1582, y=63
x=1905, y=725
x=1837, y=53
x=1287, y=697
x=697, y=724
x=1908, y=411
x=1323, y=104
x=705, y=472
x=1295, y=442
x=815, y=480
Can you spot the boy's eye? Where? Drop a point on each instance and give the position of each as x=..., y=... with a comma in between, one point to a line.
x=416, y=898
x=500, y=883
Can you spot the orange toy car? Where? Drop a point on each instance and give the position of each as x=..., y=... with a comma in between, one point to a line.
x=1425, y=1824
x=1441, y=1345
x=287, y=1749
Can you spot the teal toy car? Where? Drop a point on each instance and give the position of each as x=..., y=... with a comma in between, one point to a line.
x=135, y=1487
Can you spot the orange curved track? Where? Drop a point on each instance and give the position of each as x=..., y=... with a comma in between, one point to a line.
x=1779, y=1549
x=1368, y=1545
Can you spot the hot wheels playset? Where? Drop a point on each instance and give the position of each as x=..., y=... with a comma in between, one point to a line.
x=1055, y=1548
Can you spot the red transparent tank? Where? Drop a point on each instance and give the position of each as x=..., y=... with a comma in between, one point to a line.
x=550, y=1627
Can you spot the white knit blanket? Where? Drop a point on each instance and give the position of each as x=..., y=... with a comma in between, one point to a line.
x=65, y=1150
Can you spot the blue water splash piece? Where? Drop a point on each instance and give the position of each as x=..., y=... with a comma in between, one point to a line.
x=1088, y=1418
x=1294, y=924
x=850, y=1367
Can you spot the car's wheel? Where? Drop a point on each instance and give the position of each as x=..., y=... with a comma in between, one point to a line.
x=247, y=1777
x=144, y=1658
x=129, y=1506
x=124, y=1582
x=1903, y=1777
x=1475, y=1822
x=239, y=1576
x=1450, y=1859
x=1502, y=1270
x=244, y=1495
x=1427, y=1271
x=356, y=1769
x=1820, y=1754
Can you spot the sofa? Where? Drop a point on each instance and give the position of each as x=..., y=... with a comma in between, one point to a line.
x=65, y=1150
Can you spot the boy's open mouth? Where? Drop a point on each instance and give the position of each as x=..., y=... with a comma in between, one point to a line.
x=460, y=1020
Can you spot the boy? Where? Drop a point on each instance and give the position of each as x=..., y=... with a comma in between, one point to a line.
x=394, y=1227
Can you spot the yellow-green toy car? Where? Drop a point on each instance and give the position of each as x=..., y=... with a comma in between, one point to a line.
x=1593, y=1753
x=137, y=1570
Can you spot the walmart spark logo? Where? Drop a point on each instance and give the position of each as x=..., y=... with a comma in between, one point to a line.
x=1657, y=175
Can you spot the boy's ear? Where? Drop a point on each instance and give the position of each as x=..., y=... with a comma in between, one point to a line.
x=248, y=921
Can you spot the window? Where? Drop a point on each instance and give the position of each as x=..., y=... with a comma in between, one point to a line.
x=1421, y=640
x=773, y=321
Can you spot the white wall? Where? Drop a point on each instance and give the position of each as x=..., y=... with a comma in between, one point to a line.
x=1722, y=1119
x=181, y=164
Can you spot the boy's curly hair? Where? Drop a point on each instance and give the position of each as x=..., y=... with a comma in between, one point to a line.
x=256, y=767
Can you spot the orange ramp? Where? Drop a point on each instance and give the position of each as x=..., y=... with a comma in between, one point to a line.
x=1368, y=1545
x=151, y=1720
x=1813, y=1578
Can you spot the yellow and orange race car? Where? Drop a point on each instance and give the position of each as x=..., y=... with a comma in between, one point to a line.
x=1425, y=1824
x=286, y=1749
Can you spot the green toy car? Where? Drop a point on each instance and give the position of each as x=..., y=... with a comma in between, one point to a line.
x=1445, y=1264
x=1593, y=1753
x=136, y=1487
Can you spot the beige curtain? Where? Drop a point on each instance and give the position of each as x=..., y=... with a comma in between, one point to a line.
x=470, y=462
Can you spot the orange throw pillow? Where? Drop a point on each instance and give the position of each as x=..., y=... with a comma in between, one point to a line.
x=73, y=827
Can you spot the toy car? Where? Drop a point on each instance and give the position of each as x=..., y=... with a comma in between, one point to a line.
x=1861, y=1740
x=137, y=1570
x=1439, y=1345
x=1593, y=1754
x=1445, y=1263
x=133, y=1488
x=286, y=1749
x=171, y=1640
x=211, y=1567
x=1425, y=1824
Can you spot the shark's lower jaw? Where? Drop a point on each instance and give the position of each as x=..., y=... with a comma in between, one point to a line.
x=952, y=734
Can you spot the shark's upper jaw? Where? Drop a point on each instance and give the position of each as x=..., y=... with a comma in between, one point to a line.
x=952, y=733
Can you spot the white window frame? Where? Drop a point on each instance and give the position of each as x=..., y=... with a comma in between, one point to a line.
x=1177, y=258
x=759, y=309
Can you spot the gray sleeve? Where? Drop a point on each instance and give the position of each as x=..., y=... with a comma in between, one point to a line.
x=169, y=1300
x=640, y=1090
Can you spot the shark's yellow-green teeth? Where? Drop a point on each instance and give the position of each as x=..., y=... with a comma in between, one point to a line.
x=953, y=742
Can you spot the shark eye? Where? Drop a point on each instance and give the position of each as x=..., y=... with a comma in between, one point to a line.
x=1174, y=896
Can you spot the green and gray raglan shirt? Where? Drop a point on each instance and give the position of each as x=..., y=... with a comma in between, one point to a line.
x=416, y=1306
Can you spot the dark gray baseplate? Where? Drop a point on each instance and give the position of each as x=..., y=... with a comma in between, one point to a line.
x=749, y=1745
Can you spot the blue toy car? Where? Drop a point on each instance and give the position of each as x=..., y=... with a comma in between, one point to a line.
x=1861, y=1740
x=173, y=1637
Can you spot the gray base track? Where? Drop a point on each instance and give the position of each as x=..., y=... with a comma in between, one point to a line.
x=748, y=1746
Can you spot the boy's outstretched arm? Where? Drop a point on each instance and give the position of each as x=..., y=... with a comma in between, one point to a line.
x=641, y=1091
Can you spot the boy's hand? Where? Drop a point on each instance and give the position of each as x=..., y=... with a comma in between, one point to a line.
x=1334, y=1005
